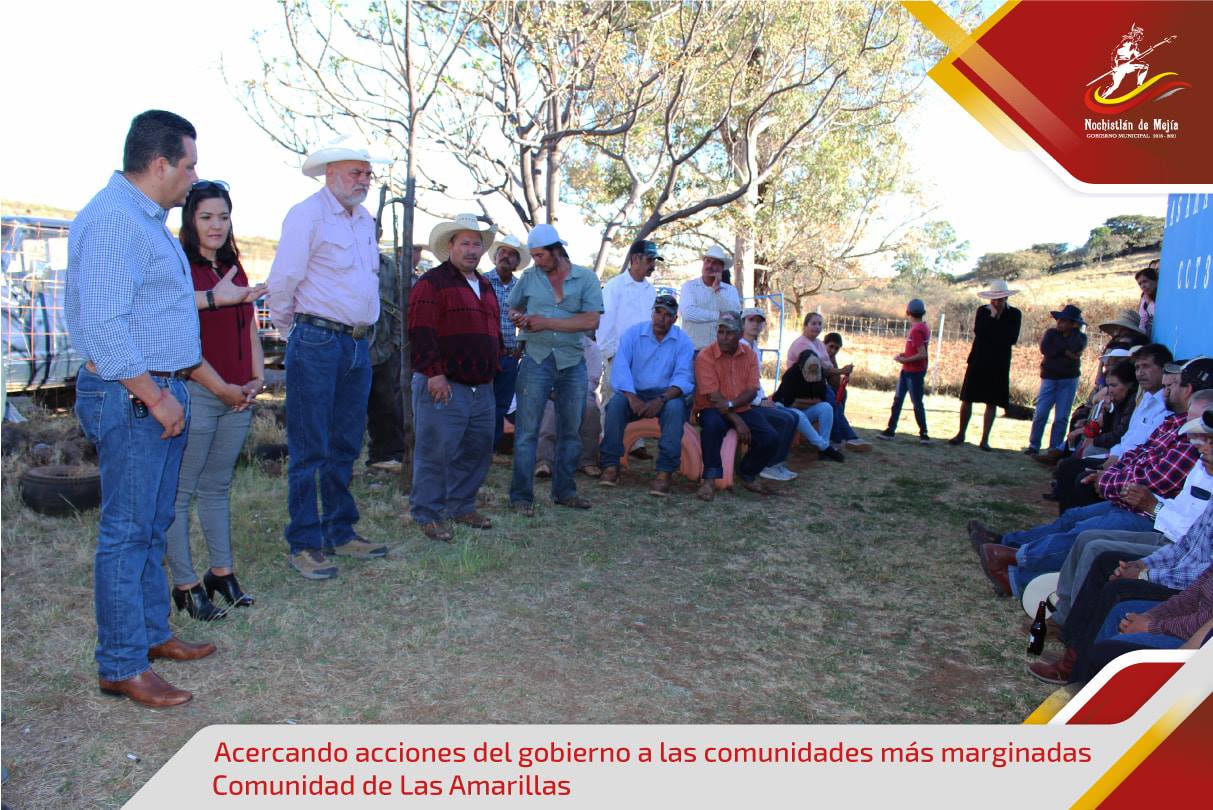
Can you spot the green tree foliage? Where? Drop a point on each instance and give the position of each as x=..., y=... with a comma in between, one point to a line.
x=1011, y=266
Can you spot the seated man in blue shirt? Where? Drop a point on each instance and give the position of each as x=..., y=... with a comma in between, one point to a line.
x=652, y=372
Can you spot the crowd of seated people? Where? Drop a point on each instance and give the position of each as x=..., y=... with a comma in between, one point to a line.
x=1132, y=548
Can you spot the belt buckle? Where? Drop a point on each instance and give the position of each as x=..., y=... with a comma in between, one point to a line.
x=359, y=331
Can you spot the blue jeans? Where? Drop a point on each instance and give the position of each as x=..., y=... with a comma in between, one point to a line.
x=1111, y=623
x=1043, y=549
x=503, y=395
x=536, y=383
x=1056, y=396
x=823, y=414
x=216, y=437
x=763, y=443
x=784, y=424
x=328, y=380
x=672, y=417
x=138, y=485
x=909, y=382
x=841, y=430
x=453, y=452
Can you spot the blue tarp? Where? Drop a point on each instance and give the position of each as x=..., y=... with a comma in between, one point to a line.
x=1184, y=312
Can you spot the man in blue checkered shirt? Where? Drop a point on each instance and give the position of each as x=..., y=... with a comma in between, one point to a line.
x=510, y=257
x=130, y=310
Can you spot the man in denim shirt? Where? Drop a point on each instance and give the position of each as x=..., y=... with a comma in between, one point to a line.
x=324, y=294
x=553, y=305
x=130, y=311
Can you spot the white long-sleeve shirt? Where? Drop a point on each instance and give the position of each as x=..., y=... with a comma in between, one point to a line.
x=625, y=302
x=699, y=308
x=1147, y=416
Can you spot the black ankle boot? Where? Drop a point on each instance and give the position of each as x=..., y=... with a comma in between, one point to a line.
x=227, y=587
x=196, y=603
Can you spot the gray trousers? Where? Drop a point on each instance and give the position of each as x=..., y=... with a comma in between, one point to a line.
x=453, y=452
x=1090, y=545
x=216, y=437
x=591, y=433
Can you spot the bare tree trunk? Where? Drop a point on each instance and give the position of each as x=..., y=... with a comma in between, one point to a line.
x=743, y=242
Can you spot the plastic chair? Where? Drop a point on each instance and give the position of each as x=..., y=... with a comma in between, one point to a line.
x=691, y=463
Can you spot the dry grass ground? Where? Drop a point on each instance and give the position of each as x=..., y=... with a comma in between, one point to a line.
x=854, y=598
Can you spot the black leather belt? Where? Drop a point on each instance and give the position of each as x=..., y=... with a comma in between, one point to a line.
x=182, y=374
x=355, y=332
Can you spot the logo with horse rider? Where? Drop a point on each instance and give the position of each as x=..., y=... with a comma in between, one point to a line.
x=1109, y=93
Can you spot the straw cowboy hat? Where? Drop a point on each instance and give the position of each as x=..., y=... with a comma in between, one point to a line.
x=998, y=289
x=440, y=237
x=511, y=242
x=340, y=149
x=717, y=252
x=1128, y=318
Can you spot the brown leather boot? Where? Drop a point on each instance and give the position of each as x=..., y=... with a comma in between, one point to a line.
x=178, y=650
x=661, y=485
x=147, y=689
x=995, y=560
x=1055, y=672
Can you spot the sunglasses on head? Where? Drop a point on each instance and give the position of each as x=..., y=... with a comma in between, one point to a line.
x=207, y=185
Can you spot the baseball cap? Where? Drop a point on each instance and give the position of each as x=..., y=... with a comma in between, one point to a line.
x=730, y=321
x=752, y=311
x=543, y=235
x=644, y=246
x=1197, y=372
x=1201, y=424
x=667, y=302
x=916, y=307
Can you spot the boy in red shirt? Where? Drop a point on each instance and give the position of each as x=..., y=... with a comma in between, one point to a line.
x=913, y=373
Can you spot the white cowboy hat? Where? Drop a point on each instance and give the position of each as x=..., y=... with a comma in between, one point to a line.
x=440, y=237
x=717, y=252
x=511, y=242
x=341, y=149
x=998, y=289
x=1041, y=588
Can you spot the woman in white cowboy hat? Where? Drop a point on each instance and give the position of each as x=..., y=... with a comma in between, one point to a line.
x=988, y=377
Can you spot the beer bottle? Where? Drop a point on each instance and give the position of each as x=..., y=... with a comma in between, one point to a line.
x=1036, y=636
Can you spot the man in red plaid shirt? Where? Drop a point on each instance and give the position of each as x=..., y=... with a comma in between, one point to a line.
x=1131, y=488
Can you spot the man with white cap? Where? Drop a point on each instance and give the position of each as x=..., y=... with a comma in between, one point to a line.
x=509, y=258
x=455, y=336
x=324, y=295
x=988, y=376
x=703, y=299
x=554, y=304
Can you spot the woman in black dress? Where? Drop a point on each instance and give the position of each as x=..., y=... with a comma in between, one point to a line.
x=988, y=377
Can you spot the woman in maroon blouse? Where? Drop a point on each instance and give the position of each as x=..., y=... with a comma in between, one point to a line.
x=231, y=344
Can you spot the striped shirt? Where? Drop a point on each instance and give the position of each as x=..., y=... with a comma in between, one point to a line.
x=509, y=333
x=129, y=302
x=453, y=330
x=1186, y=612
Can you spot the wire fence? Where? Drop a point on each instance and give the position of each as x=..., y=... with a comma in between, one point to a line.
x=870, y=344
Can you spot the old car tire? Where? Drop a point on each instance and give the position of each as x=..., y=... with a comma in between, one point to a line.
x=61, y=489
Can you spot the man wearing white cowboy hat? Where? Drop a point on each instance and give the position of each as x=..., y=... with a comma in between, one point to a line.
x=703, y=299
x=988, y=376
x=455, y=335
x=324, y=295
x=509, y=257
